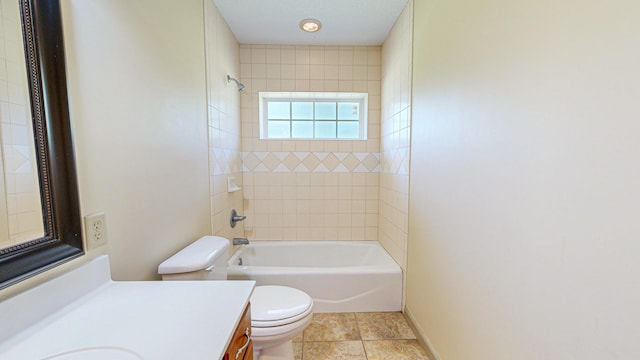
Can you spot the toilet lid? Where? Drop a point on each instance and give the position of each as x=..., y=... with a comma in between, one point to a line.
x=273, y=305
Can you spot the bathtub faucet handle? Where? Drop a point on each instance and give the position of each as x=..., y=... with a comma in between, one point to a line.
x=240, y=241
x=235, y=218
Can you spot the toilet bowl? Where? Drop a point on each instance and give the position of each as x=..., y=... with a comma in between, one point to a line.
x=278, y=313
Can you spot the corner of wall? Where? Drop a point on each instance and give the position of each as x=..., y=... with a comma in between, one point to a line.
x=223, y=108
x=422, y=338
x=395, y=139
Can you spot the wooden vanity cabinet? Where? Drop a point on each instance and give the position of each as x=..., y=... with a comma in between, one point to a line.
x=241, y=346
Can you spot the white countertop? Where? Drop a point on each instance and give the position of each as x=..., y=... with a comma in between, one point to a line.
x=135, y=320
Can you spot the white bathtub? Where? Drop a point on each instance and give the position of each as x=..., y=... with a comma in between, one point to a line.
x=340, y=276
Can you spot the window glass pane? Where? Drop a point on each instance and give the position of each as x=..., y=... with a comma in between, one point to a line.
x=302, y=110
x=309, y=115
x=326, y=129
x=302, y=129
x=348, y=111
x=278, y=110
x=348, y=130
x=279, y=129
x=326, y=111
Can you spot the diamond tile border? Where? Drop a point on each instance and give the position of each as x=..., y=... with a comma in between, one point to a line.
x=315, y=162
x=225, y=161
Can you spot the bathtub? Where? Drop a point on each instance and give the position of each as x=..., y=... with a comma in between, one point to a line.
x=340, y=276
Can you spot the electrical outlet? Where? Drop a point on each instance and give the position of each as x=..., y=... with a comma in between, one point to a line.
x=95, y=228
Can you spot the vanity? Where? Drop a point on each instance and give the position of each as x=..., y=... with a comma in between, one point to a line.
x=84, y=314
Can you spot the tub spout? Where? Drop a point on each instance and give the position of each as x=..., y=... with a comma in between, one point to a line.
x=240, y=241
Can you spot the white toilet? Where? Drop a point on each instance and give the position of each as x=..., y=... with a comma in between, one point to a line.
x=278, y=313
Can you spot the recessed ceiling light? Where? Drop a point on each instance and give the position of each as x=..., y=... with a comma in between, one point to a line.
x=310, y=25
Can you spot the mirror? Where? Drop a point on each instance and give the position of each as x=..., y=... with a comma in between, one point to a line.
x=20, y=203
x=53, y=199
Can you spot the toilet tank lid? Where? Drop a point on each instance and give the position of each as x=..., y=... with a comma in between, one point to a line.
x=197, y=256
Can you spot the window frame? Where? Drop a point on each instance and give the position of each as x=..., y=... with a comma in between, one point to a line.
x=314, y=97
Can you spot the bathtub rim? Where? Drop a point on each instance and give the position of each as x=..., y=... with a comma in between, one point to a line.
x=389, y=265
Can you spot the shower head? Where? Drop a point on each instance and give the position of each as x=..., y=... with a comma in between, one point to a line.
x=239, y=84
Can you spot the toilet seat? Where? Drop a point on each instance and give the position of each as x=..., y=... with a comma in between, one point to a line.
x=273, y=305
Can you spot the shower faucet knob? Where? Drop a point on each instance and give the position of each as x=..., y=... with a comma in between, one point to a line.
x=235, y=218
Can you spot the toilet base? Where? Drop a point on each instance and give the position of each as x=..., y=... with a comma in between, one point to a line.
x=283, y=351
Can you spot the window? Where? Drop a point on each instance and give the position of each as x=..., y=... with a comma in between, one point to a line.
x=304, y=115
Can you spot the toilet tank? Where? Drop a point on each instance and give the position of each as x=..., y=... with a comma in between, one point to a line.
x=204, y=259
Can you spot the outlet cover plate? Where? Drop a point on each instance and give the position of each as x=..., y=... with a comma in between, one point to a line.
x=95, y=229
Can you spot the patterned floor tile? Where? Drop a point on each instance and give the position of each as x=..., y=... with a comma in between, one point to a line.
x=332, y=327
x=383, y=326
x=333, y=350
x=394, y=350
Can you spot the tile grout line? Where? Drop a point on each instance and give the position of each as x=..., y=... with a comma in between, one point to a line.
x=303, y=339
x=355, y=316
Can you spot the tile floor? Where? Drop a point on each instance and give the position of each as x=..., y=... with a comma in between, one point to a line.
x=358, y=336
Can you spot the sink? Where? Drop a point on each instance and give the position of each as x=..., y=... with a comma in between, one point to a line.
x=96, y=353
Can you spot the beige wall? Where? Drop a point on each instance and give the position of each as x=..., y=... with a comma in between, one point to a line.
x=395, y=137
x=310, y=190
x=224, y=122
x=138, y=105
x=523, y=231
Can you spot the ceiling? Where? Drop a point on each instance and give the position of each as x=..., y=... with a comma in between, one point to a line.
x=344, y=22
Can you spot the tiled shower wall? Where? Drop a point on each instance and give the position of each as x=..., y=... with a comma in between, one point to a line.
x=224, y=122
x=310, y=189
x=20, y=212
x=395, y=137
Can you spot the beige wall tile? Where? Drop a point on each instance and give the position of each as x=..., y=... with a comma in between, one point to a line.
x=225, y=112
x=385, y=71
x=315, y=177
